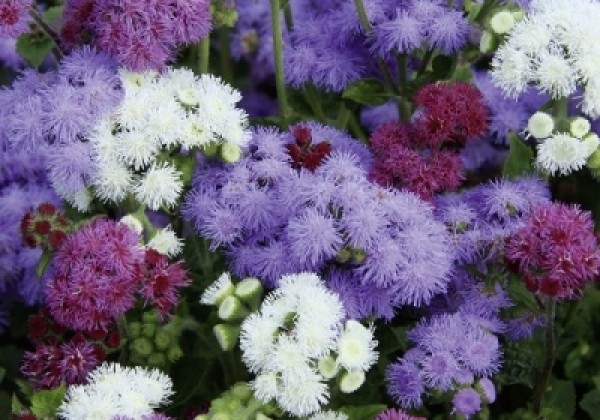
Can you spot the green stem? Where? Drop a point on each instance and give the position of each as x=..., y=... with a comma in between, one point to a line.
x=405, y=108
x=484, y=11
x=544, y=378
x=278, y=55
x=287, y=14
x=356, y=129
x=343, y=117
x=425, y=62
x=367, y=28
x=313, y=100
x=204, y=54
x=51, y=33
x=561, y=108
x=225, y=54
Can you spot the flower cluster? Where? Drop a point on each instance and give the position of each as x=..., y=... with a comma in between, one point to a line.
x=420, y=156
x=291, y=342
x=378, y=246
x=113, y=391
x=451, y=352
x=139, y=36
x=97, y=272
x=161, y=114
x=554, y=48
x=45, y=227
x=555, y=250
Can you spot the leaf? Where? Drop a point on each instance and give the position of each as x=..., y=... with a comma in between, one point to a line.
x=363, y=412
x=520, y=158
x=53, y=14
x=2, y=373
x=5, y=405
x=443, y=66
x=34, y=48
x=366, y=92
x=590, y=403
x=560, y=399
x=45, y=403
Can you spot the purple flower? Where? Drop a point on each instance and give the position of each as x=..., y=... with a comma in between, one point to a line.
x=404, y=384
x=488, y=389
x=523, y=326
x=404, y=33
x=466, y=402
x=97, y=265
x=396, y=414
x=448, y=31
x=438, y=370
x=78, y=359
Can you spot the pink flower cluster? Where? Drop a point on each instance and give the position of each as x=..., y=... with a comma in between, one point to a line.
x=140, y=35
x=14, y=17
x=422, y=155
x=556, y=250
x=98, y=271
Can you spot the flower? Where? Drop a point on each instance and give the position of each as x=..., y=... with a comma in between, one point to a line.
x=561, y=153
x=113, y=390
x=355, y=347
x=466, y=402
x=14, y=17
x=553, y=49
x=555, y=250
x=99, y=263
x=160, y=186
x=166, y=242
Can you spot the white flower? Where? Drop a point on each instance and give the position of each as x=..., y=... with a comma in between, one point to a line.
x=135, y=148
x=116, y=390
x=356, y=347
x=132, y=223
x=266, y=387
x=161, y=185
x=351, y=381
x=219, y=290
x=328, y=415
x=112, y=181
x=561, y=154
x=166, y=242
x=257, y=341
x=303, y=397
x=554, y=47
x=590, y=144
x=540, y=125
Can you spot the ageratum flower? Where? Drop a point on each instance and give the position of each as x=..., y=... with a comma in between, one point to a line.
x=14, y=17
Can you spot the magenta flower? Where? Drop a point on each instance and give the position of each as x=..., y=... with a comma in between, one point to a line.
x=555, y=250
x=163, y=281
x=14, y=17
x=96, y=273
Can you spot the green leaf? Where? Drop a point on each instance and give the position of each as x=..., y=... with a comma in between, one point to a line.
x=2, y=373
x=34, y=48
x=443, y=66
x=560, y=399
x=366, y=92
x=45, y=403
x=363, y=412
x=590, y=403
x=53, y=14
x=520, y=158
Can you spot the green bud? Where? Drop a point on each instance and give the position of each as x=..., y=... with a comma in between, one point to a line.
x=242, y=391
x=233, y=404
x=150, y=317
x=221, y=416
x=201, y=417
x=343, y=256
x=358, y=255
x=351, y=381
x=137, y=359
x=593, y=161
x=261, y=416
x=232, y=308
x=226, y=335
x=174, y=353
x=162, y=339
x=487, y=42
x=579, y=127
x=502, y=22
x=149, y=329
x=210, y=150
x=142, y=346
x=230, y=152
x=157, y=360
x=218, y=404
x=249, y=291
x=134, y=329
x=328, y=367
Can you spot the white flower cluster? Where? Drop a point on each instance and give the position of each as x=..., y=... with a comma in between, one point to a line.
x=562, y=152
x=161, y=114
x=556, y=47
x=291, y=343
x=116, y=390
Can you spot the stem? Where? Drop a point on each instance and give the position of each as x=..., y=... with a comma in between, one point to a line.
x=313, y=100
x=544, y=378
x=485, y=9
x=51, y=33
x=356, y=129
x=225, y=54
x=204, y=54
x=425, y=62
x=404, y=106
x=343, y=117
x=561, y=108
x=287, y=14
x=366, y=25
x=278, y=53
